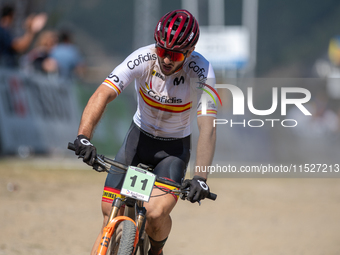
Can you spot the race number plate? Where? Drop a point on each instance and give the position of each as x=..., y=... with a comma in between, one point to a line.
x=138, y=184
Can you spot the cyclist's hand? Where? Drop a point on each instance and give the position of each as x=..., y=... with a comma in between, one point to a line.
x=198, y=188
x=84, y=148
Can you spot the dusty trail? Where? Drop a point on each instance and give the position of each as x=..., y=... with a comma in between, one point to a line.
x=52, y=208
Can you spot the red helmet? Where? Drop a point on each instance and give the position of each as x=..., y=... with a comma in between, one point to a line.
x=177, y=30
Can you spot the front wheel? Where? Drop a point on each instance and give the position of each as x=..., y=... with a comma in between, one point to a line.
x=123, y=239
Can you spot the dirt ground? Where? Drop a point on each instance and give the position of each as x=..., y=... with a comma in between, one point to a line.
x=52, y=206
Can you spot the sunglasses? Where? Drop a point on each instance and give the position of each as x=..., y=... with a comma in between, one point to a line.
x=174, y=55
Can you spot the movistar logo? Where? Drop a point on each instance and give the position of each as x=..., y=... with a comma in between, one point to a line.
x=205, y=87
x=178, y=81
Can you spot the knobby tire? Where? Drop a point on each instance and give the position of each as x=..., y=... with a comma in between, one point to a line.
x=123, y=239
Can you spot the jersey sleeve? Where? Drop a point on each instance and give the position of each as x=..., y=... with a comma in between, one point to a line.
x=207, y=96
x=135, y=65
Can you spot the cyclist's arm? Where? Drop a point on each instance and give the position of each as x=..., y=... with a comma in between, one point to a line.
x=95, y=109
x=206, y=143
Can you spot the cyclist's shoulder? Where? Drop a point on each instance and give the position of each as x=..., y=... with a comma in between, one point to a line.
x=197, y=65
x=142, y=56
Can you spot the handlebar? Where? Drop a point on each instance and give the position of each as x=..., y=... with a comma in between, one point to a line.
x=102, y=160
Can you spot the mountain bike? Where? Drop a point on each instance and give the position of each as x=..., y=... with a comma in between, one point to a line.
x=125, y=235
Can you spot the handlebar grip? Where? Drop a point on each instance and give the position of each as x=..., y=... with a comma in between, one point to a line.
x=212, y=196
x=71, y=147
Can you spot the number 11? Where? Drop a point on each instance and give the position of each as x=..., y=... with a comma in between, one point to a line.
x=134, y=178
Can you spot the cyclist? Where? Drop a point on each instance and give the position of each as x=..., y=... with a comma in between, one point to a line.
x=166, y=76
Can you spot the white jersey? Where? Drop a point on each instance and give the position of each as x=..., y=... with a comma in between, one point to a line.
x=165, y=103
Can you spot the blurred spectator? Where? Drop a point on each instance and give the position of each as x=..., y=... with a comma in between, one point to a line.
x=38, y=58
x=9, y=46
x=334, y=51
x=67, y=56
x=322, y=122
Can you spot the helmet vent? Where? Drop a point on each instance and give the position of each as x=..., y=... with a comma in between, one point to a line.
x=178, y=30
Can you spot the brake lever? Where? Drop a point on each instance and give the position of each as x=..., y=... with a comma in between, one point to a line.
x=99, y=160
x=184, y=196
x=99, y=164
x=98, y=168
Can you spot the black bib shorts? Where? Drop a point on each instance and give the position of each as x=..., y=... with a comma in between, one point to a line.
x=168, y=156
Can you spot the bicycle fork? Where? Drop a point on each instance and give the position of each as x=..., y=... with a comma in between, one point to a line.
x=114, y=220
x=136, y=210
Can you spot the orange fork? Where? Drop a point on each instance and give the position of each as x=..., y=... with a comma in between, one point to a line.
x=108, y=232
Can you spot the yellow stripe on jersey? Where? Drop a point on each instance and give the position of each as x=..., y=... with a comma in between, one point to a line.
x=113, y=85
x=164, y=107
